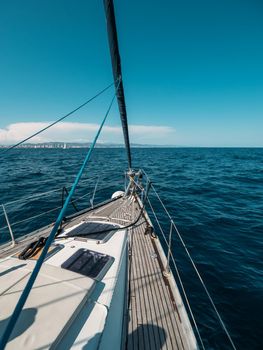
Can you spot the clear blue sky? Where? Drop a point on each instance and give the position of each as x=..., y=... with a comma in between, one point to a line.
x=195, y=67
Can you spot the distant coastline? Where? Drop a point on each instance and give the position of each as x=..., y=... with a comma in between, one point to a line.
x=66, y=145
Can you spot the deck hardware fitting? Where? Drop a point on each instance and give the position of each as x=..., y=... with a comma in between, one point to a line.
x=169, y=248
x=153, y=255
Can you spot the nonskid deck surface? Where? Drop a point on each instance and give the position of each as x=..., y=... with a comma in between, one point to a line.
x=153, y=320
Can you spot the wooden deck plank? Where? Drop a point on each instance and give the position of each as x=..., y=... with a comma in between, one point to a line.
x=167, y=308
x=142, y=317
x=155, y=324
x=155, y=282
x=151, y=305
x=147, y=332
x=148, y=328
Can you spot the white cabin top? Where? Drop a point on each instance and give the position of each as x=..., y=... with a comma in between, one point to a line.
x=66, y=308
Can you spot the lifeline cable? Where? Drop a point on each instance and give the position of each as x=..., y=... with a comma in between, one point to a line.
x=195, y=268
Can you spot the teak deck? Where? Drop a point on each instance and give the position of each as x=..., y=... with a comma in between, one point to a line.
x=153, y=318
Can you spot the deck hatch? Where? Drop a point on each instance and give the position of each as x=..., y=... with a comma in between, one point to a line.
x=88, y=262
x=93, y=230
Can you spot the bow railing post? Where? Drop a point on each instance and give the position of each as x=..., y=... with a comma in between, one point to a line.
x=125, y=181
x=9, y=226
x=93, y=195
x=142, y=195
x=168, y=270
x=146, y=192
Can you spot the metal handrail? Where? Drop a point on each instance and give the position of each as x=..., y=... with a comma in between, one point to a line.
x=9, y=226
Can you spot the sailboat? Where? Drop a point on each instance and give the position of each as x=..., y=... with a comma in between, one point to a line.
x=99, y=278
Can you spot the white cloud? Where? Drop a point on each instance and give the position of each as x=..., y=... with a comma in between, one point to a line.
x=84, y=132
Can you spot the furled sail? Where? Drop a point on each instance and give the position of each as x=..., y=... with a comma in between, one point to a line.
x=116, y=68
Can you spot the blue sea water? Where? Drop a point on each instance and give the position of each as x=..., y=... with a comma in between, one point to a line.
x=215, y=196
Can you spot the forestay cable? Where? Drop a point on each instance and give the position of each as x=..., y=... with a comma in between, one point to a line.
x=23, y=298
x=58, y=120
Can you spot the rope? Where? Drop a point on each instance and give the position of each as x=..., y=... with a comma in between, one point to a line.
x=23, y=298
x=58, y=120
x=132, y=224
x=196, y=270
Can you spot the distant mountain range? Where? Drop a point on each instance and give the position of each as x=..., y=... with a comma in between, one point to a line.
x=65, y=145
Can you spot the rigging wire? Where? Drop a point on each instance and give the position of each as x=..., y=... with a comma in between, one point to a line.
x=47, y=193
x=54, y=209
x=195, y=268
x=178, y=274
x=23, y=298
x=58, y=120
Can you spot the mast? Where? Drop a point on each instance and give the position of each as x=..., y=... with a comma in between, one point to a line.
x=116, y=69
